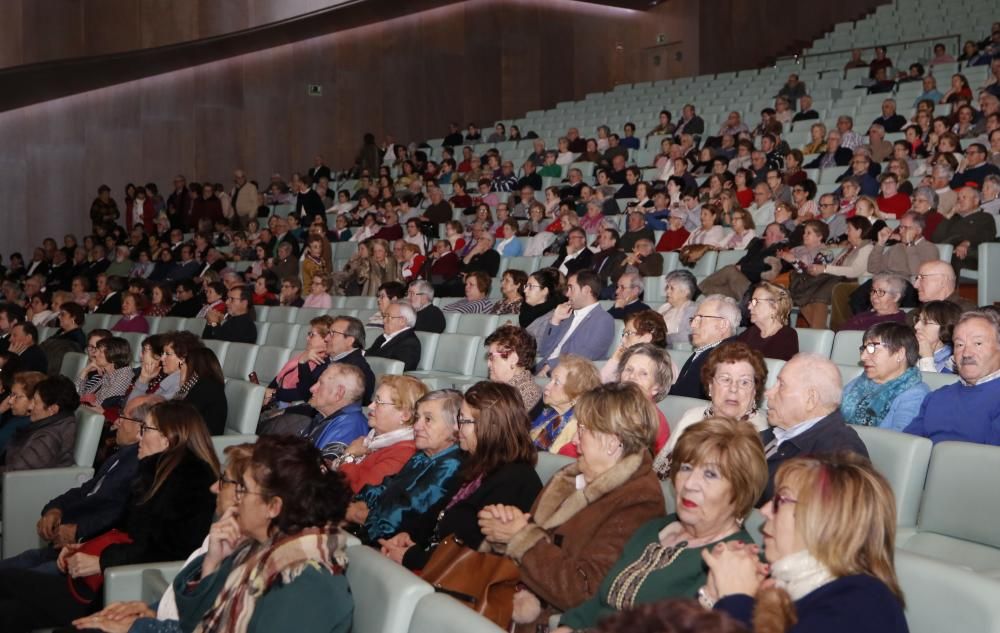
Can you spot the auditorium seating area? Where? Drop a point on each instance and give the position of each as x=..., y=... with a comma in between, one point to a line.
x=947, y=505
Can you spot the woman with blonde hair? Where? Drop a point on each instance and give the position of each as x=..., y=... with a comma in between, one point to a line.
x=769, y=331
x=382, y=267
x=555, y=427
x=583, y=517
x=389, y=445
x=829, y=538
x=817, y=142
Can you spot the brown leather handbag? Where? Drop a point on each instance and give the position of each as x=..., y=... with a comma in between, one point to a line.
x=484, y=582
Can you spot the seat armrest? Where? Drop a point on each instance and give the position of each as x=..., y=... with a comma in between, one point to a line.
x=145, y=582
x=25, y=493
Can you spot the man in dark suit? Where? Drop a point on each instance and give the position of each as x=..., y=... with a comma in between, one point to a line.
x=429, y=316
x=803, y=408
x=188, y=303
x=835, y=156
x=398, y=341
x=236, y=325
x=24, y=343
x=112, y=301
x=608, y=258
x=575, y=255
x=689, y=123
x=627, y=292
x=715, y=321
x=10, y=315
x=318, y=170
x=345, y=343
x=187, y=267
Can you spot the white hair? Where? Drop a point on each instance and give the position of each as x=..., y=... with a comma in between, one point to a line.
x=823, y=377
x=406, y=311
x=728, y=309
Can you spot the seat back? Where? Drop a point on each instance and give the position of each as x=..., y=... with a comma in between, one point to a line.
x=443, y=614
x=89, y=426
x=135, y=340
x=674, y=407
x=959, y=501
x=903, y=460
x=244, y=400
x=221, y=442
x=943, y=597
x=815, y=341
x=168, y=324
x=845, y=347
x=477, y=324
x=282, y=334
x=549, y=463
x=72, y=363
x=240, y=360
x=988, y=283
x=385, y=593
x=281, y=314
x=428, y=347
x=936, y=380
x=849, y=372
x=361, y=303
x=270, y=359
x=219, y=348
x=774, y=366
x=385, y=366
x=456, y=353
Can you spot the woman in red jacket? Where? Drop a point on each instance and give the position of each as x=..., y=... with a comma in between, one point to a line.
x=389, y=445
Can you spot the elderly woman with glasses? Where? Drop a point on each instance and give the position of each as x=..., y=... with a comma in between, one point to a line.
x=681, y=290
x=889, y=392
x=769, y=331
x=718, y=473
x=111, y=362
x=934, y=322
x=493, y=431
x=389, y=445
x=886, y=293
x=582, y=519
x=829, y=539
x=734, y=376
x=554, y=428
x=411, y=500
x=644, y=326
x=510, y=356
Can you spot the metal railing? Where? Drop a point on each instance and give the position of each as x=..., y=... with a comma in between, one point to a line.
x=803, y=58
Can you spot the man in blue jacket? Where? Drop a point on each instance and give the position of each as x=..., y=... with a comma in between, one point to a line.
x=579, y=326
x=84, y=512
x=336, y=396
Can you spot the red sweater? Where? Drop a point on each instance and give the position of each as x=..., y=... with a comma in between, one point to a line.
x=896, y=205
x=672, y=240
x=383, y=463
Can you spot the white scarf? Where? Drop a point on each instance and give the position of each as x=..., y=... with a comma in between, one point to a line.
x=800, y=574
x=375, y=442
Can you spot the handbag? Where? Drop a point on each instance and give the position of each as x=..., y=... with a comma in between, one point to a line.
x=691, y=253
x=93, y=583
x=482, y=581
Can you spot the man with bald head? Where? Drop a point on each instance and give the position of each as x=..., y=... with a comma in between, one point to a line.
x=96, y=506
x=968, y=410
x=803, y=409
x=936, y=281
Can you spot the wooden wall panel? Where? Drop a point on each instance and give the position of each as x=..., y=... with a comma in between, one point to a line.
x=110, y=26
x=51, y=29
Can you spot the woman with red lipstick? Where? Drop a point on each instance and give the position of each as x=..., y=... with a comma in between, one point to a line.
x=734, y=376
x=829, y=539
x=718, y=473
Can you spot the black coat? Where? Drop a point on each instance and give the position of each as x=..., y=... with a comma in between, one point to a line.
x=516, y=484
x=430, y=319
x=171, y=524
x=488, y=262
x=112, y=304
x=34, y=359
x=688, y=381
x=209, y=398
x=581, y=261
x=405, y=346
x=187, y=309
x=830, y=435
x=842, y=158
x=237, y=329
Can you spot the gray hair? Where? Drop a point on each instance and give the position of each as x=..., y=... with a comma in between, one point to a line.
x=728, y=309
x=633, y=279
x=943, y=171
x=823, y=376
x=355, y=328
x=664, y=376
x=351, y=378
x=897, y=285
x=877, y=127
x=406, y=311
x=992, y=179
x=141, y=410
x=423, y=287
x=450, y=407
x=683, y=278
x=986, y=315
x=918, y=219
x=927, y=193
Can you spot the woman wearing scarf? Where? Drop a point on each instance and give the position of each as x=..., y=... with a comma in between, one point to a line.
x=275, y=560
x=386, y=449
x=554, y=428
x=493, y=431
x=890, y=391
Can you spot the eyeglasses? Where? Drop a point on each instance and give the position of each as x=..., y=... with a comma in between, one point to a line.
x=122, y=417
x=926, y=321
x=226, y=480
x=332, y=332
x=314, y=334
x=757, y=301
x=391, y=316
x=779, y=500
x=504, y=354
x=920, y=276
x=869, y=347
x=464, y=421
x=627, y=333
x=241, y=491
x=383, y=403
x=879, y=292
x=143, y=428
x=703, y=316
x=726, y=381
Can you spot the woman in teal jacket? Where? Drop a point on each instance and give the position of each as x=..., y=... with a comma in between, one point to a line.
x=273, y=561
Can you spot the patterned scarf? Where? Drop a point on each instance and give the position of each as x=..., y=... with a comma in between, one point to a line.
x=186, y=387
x=868, y=402
x=258, y=567
x=548, y=427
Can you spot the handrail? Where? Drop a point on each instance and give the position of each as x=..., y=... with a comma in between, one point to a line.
x=805, y=56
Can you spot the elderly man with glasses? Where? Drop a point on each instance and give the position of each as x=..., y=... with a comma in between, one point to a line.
x=936, y=281
x=715, y=321
x=976, y=168
x=398, y=340
x=429, y=316
x=236, y=325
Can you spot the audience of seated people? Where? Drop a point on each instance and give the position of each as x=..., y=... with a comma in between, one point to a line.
x=424, y=465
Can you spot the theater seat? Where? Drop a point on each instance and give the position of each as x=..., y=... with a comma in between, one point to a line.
x=455, y=356
x=942, y=597
x=440, y=613
x=240, y=359
x=815, y=341
x=903, y=460
x=549, y=463
x=385, y=593
x=957, y=522
x=845, y=347
x=385, y=366
x=145, y=582
x=26, y=492
x=674, y=407
x=244, y=400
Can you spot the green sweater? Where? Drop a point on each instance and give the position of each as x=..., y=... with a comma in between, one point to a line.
x=315, y=602
x=680, y=579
